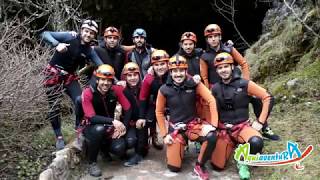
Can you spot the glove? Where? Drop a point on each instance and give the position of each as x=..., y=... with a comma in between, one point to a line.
x=196, y=78
x=256, y=125
x=168, y=139
x=62, y=47
x=140, y=123
x=122, y=83
x=229, y=43
x=206, y=128
x=119, y=129
x=150, y=70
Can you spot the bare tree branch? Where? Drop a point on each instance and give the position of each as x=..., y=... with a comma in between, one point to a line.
x=299, y=19
x=228, y=11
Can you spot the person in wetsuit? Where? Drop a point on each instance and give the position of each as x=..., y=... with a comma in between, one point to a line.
x=102, y=129
x=232, y=95
x=179, y=94
x=71, y=52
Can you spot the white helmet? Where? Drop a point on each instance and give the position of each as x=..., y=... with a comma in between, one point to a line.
x=90, y=24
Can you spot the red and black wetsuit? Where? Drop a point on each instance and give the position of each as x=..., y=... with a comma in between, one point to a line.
x=98, y=116
x=148, y=96
x=137, y=138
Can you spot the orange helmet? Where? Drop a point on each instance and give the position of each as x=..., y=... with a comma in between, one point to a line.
x=104, y=71
x=189, y=36
x=223, y=58
x=212, y=29
x=111, y=31
x=178, y=61
x=159, y=55
x=130, y=67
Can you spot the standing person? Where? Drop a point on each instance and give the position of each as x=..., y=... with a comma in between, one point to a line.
x=141, y=54
x=233, y=97
x=189, y=51
x=149, y=92
x=102, y=130
x=179, y=95
x=192, y=54
x=209, y=75
x=213, y=37
x=110, y=50
x=60, y=74
x=137, y=134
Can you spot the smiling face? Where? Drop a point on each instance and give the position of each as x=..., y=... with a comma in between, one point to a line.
x=160, y=68
x=225, y=71
x=132, y=79
x=104, y=85
x=178, y=75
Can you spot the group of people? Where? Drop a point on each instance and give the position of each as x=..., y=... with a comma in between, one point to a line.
x=195, y=95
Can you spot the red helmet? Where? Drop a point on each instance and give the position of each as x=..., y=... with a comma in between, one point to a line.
x=111, y=31
x=212, y=29
x=130, y=67
x=104, y=71
x=178, y=62
x=223, y=58
x=189, y=36
x=159, y=55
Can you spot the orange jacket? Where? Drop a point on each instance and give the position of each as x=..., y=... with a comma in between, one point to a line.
x=261, y=93
x=201, y=90
x=237, y=58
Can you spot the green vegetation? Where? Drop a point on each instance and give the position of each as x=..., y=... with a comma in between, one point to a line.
x=295, y=122
x=287, y=62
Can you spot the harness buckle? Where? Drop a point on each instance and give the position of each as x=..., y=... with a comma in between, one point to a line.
x=228, y=126
x=180, y=126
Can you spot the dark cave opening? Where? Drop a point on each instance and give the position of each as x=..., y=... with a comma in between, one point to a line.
x=165, y=20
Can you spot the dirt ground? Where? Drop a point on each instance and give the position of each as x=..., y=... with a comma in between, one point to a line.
x=154, y=167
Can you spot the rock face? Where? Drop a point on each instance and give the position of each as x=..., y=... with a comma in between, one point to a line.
x=65, y=160
x=288, y=48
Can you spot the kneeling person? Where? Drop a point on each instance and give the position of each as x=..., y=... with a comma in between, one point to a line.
x=137, y=134
x=179, y=94
x=101, y=129
x=233, y=97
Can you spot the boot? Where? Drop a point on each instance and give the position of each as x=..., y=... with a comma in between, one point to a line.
x=134, y=160
x=156, y=142
x=60, y=143
x=94, y=170
x=268, y=133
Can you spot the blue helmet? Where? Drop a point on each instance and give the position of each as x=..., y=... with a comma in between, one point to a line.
x=139, y=32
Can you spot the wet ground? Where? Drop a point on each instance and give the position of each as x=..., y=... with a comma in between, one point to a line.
x=153, y=167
